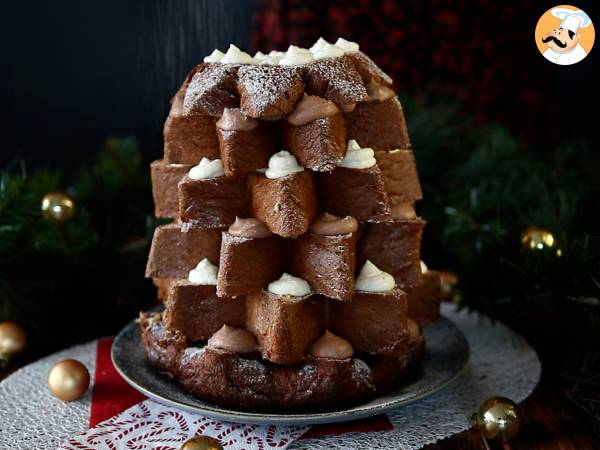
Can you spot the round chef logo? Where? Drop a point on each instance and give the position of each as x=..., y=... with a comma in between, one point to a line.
x=564, y=35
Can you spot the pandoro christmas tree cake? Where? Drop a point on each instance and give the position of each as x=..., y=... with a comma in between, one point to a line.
x=291, y=274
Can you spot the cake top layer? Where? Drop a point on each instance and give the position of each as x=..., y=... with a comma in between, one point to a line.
x=269, y=86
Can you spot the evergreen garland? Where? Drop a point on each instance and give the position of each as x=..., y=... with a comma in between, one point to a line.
x=483, y=189
x=71, y=282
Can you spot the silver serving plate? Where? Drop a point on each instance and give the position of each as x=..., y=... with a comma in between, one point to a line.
x=446, y=356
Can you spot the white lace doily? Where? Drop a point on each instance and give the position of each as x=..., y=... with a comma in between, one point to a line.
x=501, y=363
x=30, y=418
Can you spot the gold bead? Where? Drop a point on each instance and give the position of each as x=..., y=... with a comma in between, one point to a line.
x=537, y=239
x=448, y=280
x=57, y=207
x=13, y=340
x=499, y=418
x=202, y=443
x=68, y=380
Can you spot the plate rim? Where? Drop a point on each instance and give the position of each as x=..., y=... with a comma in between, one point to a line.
x=260, y=418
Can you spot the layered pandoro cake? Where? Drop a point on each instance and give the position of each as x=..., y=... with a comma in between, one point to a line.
x=291, y=273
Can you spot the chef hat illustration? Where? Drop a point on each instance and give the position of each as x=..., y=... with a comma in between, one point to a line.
x=571, y=19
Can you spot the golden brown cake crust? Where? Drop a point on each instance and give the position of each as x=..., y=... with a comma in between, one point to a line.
x=327, y=263
x=249, y=383
x=286, y=205
x=359, y=193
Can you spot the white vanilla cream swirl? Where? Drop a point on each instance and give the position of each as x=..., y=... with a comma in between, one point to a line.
x=318, y=45
x=204, y=273
x=292, y=57
x=357, y=157
x=282, y=164
x=296, y=55
x=373, y=279
x=347, y=46
x=289, y=285
x=207, y=169
x=235, y=56
x=328, y=51
x=214, y=57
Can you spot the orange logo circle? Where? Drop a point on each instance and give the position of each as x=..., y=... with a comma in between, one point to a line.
x=564, y=35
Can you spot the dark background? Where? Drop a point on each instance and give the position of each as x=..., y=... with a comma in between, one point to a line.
x=76, y=72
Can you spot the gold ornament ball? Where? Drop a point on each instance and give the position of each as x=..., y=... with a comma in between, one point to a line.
x=57, y=207
x=12, y=339
x=448, y=280
x=68, y=380
x=499, y=418
x=202, y=443
x=537, y=239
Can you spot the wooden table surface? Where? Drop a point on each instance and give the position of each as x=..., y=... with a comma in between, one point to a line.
x=551, y=422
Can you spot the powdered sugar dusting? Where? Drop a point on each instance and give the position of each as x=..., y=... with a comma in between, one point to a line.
x=211, y=89
x=191, y=353
x=339, y=76
x=361, y=372
x=367, y=64
x=269, y=91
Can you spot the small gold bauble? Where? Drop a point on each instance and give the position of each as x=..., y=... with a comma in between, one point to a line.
x=12, y=341
x=202, y=443
x=57, y=207
x=68, y=380
x=449, y=280
x=499, y=418
x=12, y=338
x=537, y=239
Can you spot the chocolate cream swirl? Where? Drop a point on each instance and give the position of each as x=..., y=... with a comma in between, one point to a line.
x=311, y=108
x=403, y=211
x=378, y=91
x=330, y=346
x=330, y=225
x=234, y=120
x=233, y=339
x=250, y=228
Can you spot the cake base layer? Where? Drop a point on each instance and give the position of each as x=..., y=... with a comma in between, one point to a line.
x=250, y=383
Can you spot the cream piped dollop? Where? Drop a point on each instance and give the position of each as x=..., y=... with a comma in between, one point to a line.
x=357, y=157
x=295, y=56
x=413, y=329
x=289, y=285
x=404, y=211
x=424, y=268
x=207, y=169
x=235, y=56
x=318, y=45
x=372, y=279
x=378, y=91
x=259, y=56
x=271, y=59
x=328, y=51
x=233, y=339
x=330, y=346
x=347, y=46
x=234, y=120
x=214, y=57
x=311, y=107
x=282, y=164
x=204, y=273
x=250, y=228
x=329, y=225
